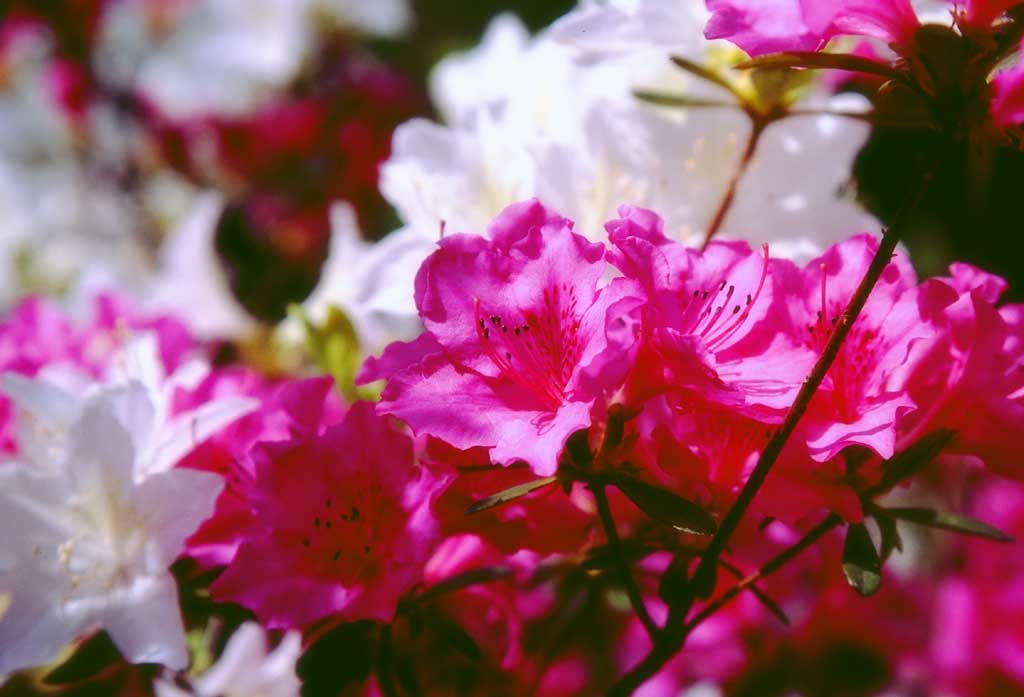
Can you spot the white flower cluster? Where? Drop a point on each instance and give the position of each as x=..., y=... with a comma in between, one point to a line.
x=94, y=513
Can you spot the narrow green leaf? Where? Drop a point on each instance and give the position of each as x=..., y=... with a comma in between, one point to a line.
x=861, y=564
x=680, y=100
x=665, y=507
x=473, y=577
x=949, y=521
x=820, y=61
x=916, y=457
x=707, y=74
x=510, y=494
x=890, y=536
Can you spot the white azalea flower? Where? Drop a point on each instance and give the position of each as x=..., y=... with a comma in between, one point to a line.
x=554, y=117
x=224, y=56
x=372, y=283
x=211, y=56
x=380, y=17
x=54, y=211
x=246, y=668
x=602, y=28
x=49, y=407
x=190, y=276
x=89, y=536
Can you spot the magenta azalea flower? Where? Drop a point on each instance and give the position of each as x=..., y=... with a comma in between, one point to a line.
x=760, y=27
x=288, y=410
x=709, y=323
x=972, y=377
x=864, y=394
x=520, y=343
x=342, y=525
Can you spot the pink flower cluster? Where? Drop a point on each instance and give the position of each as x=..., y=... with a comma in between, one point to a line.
x=547, y=355
x=527, y=343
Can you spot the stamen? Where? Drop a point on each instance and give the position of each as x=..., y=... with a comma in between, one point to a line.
x=739, y=319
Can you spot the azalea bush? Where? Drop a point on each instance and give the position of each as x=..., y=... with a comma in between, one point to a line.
x=659, y=385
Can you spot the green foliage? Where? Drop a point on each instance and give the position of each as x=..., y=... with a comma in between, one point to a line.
x=861, y=565
x=666, y=507
x=510, y=494
x=334, y=348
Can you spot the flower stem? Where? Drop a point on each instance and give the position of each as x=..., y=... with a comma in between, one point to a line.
x=812, y=536
x=757, y=128
x=626, y=577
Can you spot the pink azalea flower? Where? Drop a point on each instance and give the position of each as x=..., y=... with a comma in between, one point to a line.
x=710, y=323
x=521, y=341
x=971, y=378
x=342, y=525
x=489, y=611
x=292, y=409
x=864, y=394
x=705, y=452
x=759, y=26
x=980, y=648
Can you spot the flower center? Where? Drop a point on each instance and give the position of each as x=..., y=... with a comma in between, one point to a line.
x=717, y=314
x=855, y=360
x=340, y=535
x=537, y=350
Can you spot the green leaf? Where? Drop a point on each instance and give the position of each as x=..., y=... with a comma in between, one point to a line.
x=707, y=74
x=890, y=536
x=821, y=61
x=680, y=100
x=473, y=577
x=940, y=59
x=577, y=448
x=334, y=347
x=510, y=494
x=861, y=564
x=665, y=507
x=916, y=457
x=948, y=521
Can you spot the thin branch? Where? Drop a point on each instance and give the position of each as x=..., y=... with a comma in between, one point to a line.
x=705, y=570
x=626, y=576
x=756, y=129
x=812, y=536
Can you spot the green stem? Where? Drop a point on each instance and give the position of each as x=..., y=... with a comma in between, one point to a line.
x=604, y=512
